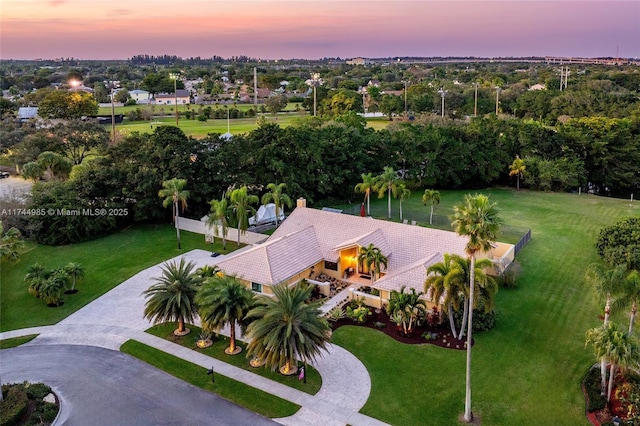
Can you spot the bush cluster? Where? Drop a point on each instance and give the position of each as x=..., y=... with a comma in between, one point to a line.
x=14, y=406
x=595, y=401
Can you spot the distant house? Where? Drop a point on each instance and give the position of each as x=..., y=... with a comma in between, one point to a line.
x=357, y=61
x=140, y=96
x=27, y=113
x=538, y=87
x=374, y=83
x=181, y=96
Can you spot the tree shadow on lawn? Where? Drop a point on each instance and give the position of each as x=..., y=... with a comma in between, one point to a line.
x=444, y=337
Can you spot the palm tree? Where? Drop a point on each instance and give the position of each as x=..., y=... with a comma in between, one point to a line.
x=207, y=271
x=222, y=300
x=279, y=198
x=629, y=292
x=75, y=272
x=219, y=218
x=171, y=298
x=620, y=349
x=478, y=220
x=11, y=244
x=517, y=169
x=52, y=287
x=373, y=258
x=386, y=182
x=285, y=328
x=241, y=202
x=403, y=193
x=174, y=194
x=35, y=277
x=407, y=306
x=365, y=187
x=431, y=196
x=445, y=281
x=605, y=282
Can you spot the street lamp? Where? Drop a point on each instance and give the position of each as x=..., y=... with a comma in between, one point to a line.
x=113, y=85
x=175, y=94
x=443, y=93
x=497, y=98
x=314, y=81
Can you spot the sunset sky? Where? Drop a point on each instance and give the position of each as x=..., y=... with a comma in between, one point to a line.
x=116, y=29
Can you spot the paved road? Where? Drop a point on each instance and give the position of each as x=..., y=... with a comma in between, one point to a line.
x=112, y=388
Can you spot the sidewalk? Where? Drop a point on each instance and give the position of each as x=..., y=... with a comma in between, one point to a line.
x=116, y=317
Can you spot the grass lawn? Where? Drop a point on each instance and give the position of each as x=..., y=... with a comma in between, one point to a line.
x=168, y=109
x=239, y=393
x=16, y=341
x=527, y=370
x=312, y=386
x=107, y=262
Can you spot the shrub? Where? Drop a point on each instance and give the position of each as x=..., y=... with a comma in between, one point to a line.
x=509, y=277
x=336, y=314
x=482, y=321
x=359, y=314
x=430, y=336
x=379, y=324
x=591, y=383
x=14, y=406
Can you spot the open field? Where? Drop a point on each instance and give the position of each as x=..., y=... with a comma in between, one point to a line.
x=527, y=370
x=168, y=109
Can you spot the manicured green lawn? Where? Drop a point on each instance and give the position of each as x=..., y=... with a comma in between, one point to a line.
x=237, y=392
x=312, y=385
x=107, y=262
x=16, y=341
x=527, y=370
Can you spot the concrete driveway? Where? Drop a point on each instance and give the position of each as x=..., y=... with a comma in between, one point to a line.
x=112, y=388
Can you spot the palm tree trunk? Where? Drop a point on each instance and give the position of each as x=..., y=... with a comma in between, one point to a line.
x=451, y=323
x=368, y=197
x=431, y=215
x=180, y=324
x=389, y=202
x=177, y=216
x=468, y=415
x=612, y=374
x=238, y=243
x=400, y=210
x=277, y=212
x=603, y=361
x=465, y=317
x=232, y=337
x=634, y=311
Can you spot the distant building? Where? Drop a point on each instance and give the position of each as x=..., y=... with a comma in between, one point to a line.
x=27, y=113
x=140, y=96
x=538, y=87
x=181, y=96
x=358, y=61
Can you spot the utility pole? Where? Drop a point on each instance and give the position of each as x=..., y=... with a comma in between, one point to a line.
x=255, y=88
x=443, y=93
x=113, y=117
x=405, y=98
x=497, y=98
x=475, y=101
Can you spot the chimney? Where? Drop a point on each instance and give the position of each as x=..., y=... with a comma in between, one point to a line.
x=301, y=202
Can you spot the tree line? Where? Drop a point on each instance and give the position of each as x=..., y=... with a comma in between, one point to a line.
x=318, y=159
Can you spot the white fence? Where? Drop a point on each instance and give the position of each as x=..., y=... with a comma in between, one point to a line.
x=199, y=227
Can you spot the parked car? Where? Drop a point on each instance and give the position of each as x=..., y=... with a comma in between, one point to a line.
x=4, y=175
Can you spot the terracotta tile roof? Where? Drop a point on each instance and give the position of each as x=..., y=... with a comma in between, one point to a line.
x=410, y=276
x=277, y=259
x=375, y=237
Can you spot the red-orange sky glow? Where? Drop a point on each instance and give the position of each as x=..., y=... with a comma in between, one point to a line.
x=116, y=29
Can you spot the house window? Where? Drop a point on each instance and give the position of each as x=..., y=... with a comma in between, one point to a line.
x=332, y=266
x=257, y=287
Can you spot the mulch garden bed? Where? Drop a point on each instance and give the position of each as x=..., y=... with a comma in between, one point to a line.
x=445, y=338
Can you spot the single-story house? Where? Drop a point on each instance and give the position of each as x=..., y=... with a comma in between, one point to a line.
x=181, y=97
x=140, y=96
x=312, y=243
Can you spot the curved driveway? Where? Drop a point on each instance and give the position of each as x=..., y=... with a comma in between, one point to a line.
x=112, y=388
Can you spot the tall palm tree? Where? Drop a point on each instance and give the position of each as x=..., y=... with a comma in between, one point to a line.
x=605, y=282
x=279, y=198
x=222, y=300
x=171, y=298
x=477, y=219
x=431, y=196
x=517, y=169
x=174, y=194
x=386, y=182
x=620, y=349
x=629, y=296
x=75, y=271
x=35, y=277
x=372, y=257
x=11, y=244
x=365, y=187
x=218, y=219
x=403, y=193
x=285, y=328
x=241, y=202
